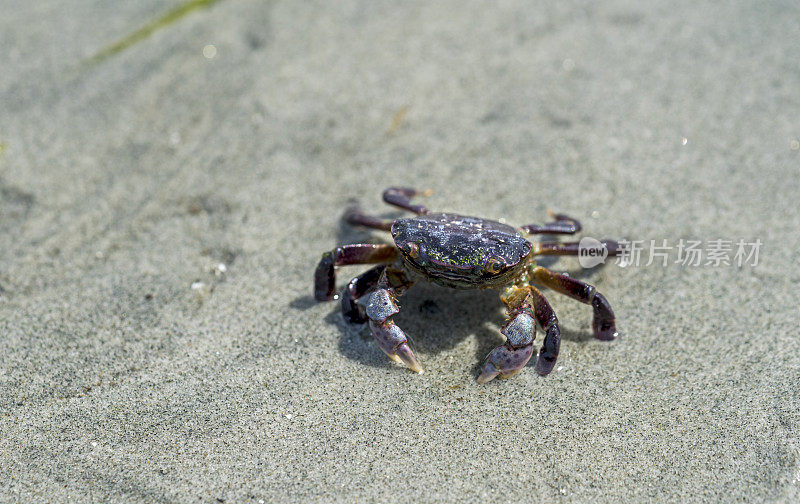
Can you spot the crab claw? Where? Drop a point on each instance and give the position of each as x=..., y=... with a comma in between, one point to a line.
x=505, y=361
x=406, y=356
x=392, y=340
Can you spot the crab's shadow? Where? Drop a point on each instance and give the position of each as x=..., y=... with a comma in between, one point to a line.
x=437, y=319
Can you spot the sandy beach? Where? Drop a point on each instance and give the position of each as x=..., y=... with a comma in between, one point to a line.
x=171, y=172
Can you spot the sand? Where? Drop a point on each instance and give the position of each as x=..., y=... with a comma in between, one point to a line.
x=163, y=206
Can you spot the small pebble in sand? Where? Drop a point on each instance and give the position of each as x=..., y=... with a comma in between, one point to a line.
x=200, y=289
x=220, y=269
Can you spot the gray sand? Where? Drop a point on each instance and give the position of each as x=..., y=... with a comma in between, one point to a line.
x=125, y=182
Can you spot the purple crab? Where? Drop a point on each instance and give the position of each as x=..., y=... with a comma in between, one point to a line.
x=462, y=252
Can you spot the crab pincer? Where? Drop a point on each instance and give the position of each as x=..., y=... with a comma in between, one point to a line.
x=389, y=337
x=507, y=359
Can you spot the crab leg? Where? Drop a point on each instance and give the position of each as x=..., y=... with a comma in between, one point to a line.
x=571, y=248
x=562, y=225
x=325, y=275
x=520, y=329
x=401, y=197
x=548, y=322
x=356, y=217
x=381, y=305
x=353, y=311
x=603, y=323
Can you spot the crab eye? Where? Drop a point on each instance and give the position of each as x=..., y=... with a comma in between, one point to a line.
x=495, y=265
x=411, y=249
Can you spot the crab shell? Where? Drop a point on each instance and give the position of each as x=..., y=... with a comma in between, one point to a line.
x=461, y=252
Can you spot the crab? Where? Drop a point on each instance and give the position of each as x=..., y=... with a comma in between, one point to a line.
x=462, y=252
